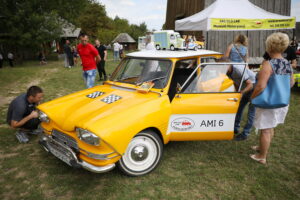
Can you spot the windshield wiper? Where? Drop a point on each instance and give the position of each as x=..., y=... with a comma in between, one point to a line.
x=154, y=79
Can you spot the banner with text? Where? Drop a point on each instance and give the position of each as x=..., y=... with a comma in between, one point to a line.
x=251, y=24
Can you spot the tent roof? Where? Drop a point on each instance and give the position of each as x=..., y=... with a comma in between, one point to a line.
x=124, y=38
x=226, y=9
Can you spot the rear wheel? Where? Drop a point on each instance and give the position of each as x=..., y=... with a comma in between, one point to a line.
x=172, y=48
x=142, y=155
x=157, y=47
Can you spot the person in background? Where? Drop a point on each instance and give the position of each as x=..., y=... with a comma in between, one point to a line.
x=89, y=57
x=267, y=119
x=75, y=55
x=149, y=43
x=289, y=54
x=121, y=51
x=68, y=55
x=235, y=72
x=10, y=58
x=1, y=60
x=238, y=51
x=103, y=55
x=42, y=58
x=22, y=114
x=116, y=47
x=294, y=44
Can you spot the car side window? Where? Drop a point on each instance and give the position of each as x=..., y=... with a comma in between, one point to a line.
x=214, y=78
x=183, y=69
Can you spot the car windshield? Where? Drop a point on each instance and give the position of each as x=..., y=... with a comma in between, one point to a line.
x=137, y=71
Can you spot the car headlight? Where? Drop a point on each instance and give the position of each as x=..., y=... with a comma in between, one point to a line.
x=43, y=117
x=88, y=137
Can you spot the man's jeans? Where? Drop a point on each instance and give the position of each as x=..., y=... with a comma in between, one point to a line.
x=251, y=114
x=116, y=55
x=89, y=77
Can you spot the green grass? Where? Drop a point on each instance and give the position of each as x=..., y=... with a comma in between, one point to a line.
x=189, y=170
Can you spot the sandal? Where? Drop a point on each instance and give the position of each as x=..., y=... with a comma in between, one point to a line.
x=255, y=148
x=260, y=160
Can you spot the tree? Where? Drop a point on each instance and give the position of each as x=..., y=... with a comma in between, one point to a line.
x=27, y=24
x=94, y=19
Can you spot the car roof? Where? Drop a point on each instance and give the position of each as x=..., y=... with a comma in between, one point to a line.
x=170, y=54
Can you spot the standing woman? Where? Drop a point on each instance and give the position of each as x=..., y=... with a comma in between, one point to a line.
x=238, y=51
x=267, y=119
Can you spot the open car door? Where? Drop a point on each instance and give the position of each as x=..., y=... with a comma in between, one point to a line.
x=206, y=105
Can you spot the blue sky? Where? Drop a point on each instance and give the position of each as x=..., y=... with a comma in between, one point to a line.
x=153, y=12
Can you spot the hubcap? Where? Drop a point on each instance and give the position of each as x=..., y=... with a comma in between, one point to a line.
x=139, y=153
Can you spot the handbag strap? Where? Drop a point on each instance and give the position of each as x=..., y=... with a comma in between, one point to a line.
x=239, y=53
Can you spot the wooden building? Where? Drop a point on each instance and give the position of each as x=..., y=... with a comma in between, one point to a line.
x=218, y=40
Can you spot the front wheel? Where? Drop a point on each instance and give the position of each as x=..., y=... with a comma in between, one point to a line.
x=142, y=155
x=172, y=48
x=157, y=47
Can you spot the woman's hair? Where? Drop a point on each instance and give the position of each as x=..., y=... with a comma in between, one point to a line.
x=242, y=39
x=277, y=42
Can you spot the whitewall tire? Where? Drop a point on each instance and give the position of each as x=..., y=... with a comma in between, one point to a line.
x=142, y=155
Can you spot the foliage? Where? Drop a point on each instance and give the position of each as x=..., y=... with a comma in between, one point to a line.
x=97, y=24
x=29, y=23
x=93, y=19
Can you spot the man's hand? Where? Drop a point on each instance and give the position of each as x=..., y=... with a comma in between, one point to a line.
x=98, y=59
x=34, y=114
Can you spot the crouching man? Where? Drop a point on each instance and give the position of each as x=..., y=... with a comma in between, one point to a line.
x=22, y=114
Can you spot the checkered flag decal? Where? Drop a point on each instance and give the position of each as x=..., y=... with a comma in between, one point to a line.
x=95, y=94
x=111, y=98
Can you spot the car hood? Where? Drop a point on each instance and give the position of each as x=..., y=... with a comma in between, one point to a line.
x=88, y=106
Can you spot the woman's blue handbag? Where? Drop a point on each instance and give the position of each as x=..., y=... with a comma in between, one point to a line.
x=276, y=94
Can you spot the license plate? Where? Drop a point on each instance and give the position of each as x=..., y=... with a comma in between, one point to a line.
x=61, y=153
x=60, y=156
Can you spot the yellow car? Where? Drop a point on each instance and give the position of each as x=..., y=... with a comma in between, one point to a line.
x=152, y=98
x=200, y=44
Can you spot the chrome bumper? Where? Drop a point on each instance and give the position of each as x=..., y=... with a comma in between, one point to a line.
x=67, y=155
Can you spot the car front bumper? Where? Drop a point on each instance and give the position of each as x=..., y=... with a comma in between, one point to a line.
x=67, y=155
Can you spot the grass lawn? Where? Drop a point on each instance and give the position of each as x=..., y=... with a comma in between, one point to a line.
x=189, y=170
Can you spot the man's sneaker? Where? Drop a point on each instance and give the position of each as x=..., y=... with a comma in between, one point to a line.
x=37, y=131
x=22, y=136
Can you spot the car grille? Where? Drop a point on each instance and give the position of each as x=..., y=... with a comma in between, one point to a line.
x=65, y=139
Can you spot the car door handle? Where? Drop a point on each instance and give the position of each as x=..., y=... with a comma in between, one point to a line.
x=233, y=99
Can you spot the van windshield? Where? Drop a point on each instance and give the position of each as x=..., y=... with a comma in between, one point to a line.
x=137, y=71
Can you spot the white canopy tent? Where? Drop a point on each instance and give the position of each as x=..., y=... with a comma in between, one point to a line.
x=234, y=15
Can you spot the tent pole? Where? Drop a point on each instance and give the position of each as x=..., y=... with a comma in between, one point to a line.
x=206, y=40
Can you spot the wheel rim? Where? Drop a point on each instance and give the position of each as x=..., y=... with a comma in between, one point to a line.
x=141, y=154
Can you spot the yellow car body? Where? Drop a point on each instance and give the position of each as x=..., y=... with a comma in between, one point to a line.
x=116, y=112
